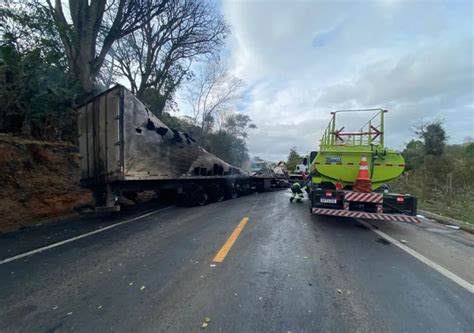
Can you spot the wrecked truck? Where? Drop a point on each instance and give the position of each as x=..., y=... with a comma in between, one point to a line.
x=125, y=149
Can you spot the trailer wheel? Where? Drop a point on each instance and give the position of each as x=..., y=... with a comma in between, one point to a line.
x=99, y=198
x=132, y=196
x=231, y=192
x=200, y=197
x=219, y=195
x=215, y=193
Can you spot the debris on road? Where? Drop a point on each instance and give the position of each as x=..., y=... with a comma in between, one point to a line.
x=453, y=226
x=403, y=241
x=69, y=313
x=212, y=265
x=206, y=322
x=130, y=284
x=99, y=307
x=55, y=307
x=339, y=291
x=142, y=288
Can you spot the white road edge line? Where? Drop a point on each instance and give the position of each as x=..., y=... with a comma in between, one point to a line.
x=440, y=269
x=44, y=248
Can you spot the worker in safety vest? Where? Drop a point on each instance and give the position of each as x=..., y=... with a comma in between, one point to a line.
x=297, y=192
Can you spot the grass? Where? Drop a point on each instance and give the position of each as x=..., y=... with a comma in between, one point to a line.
x=456, y=203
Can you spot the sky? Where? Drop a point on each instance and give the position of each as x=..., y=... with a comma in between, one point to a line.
x=301, y=60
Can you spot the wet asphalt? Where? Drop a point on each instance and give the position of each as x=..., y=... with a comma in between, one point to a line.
x=287, y=271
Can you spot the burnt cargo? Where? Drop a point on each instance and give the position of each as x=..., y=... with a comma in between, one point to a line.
x=120, y=140
x=125, y=148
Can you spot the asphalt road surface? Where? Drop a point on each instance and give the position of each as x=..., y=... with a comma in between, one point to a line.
x=253, y=264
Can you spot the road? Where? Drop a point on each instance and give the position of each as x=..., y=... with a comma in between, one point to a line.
x=282, y=270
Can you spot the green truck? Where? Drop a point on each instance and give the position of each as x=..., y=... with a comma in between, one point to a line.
x=350, y=174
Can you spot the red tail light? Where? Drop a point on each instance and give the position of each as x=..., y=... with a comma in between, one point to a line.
x=400, y=199
x=329, y=194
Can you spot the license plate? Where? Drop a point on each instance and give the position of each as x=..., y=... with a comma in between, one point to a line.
x=327, y=200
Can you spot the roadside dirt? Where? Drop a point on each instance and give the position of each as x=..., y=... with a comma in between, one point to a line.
x=38, y=180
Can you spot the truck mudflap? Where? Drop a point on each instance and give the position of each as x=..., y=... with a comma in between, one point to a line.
x=366, y=215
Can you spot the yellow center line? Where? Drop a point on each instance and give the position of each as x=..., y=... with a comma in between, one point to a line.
x=230, y=241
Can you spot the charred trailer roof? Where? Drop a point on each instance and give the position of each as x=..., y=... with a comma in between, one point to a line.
x=120, y=140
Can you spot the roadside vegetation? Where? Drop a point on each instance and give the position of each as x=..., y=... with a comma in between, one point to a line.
x=54, y=57
x=294, y=158
x=441, y=176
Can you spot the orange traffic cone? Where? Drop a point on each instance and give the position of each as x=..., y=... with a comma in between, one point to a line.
x=363, y=182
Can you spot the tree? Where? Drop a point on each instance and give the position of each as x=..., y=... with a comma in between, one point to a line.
x=89, y=28
x=35, y=90
x=413, y=154
x=433, y=136
x=157, y=57
x=470, y=150
x=213, y=92
x=293, y=159
x=237, y=124
x=227, y=147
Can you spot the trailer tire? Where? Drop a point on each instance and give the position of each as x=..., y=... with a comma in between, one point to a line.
x=132, y=196
x=220, y=195
x=231, y=192
x=199, y=197
x=99, y=198
x=215, y=193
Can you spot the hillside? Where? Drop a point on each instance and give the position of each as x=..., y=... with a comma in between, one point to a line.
x=38, y=180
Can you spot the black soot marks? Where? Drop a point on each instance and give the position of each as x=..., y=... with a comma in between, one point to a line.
x=162, y=131
x=189, y=138
x=176, y=136
x=150, y=125
x=139, y=130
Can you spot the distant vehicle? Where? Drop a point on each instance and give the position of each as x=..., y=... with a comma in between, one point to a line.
x=125, y=149
x=300, y=172
x=301, y=168
x=350, y=172
x=277, y=173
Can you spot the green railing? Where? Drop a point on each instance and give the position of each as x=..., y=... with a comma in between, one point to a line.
x=370, y=134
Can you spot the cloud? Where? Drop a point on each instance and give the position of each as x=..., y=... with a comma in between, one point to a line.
x=302, y=60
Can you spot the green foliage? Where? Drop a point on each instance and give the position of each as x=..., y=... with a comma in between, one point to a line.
x=237, y=124
x=470, y=150
x=35, y=89
x=36, y=94
x=433, y=136
x=293, y=159
x=413, y=154
x=442, y=183
x=228, y=147
x=227, y=144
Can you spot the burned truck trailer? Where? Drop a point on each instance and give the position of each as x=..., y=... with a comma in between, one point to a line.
x=124, y=148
